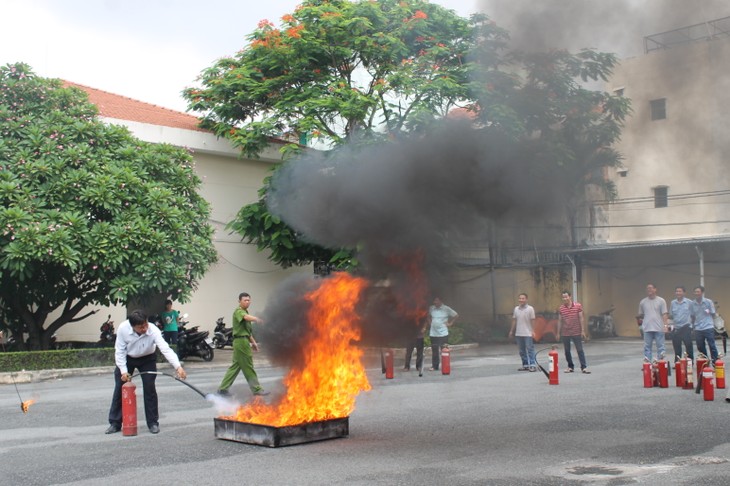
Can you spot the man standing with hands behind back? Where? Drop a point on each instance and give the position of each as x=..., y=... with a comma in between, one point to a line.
x=680, y=310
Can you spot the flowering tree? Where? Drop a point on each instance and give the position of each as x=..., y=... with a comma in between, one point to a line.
x=90, y=215
x=337, y=72
x=363, y=72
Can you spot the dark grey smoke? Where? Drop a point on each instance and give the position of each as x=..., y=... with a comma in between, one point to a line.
x=421, y=198
x=285, y=322
x=617, y=26
x=427, y=197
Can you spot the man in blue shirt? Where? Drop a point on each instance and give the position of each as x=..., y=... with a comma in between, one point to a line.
x=679, y=312
x=702, y=312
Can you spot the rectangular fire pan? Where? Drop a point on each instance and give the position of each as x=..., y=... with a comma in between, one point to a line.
x=270, y=436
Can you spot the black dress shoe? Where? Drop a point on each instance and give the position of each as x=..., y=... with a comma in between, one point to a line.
x=154, y=429
x=113, y=429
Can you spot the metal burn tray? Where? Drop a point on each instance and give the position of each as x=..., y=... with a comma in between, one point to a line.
x=270, y=436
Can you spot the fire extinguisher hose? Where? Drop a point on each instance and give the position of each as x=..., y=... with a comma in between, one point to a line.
x=195, y=389
x=547, y=375
x=698, y=389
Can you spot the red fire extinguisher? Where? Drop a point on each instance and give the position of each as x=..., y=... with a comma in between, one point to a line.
x=707, y=385
x=678, y=374
x=389, y=364
x=129, y=409
x=663, y=373
x=689, y=376
x=648, y=378
x=700, y=365
x=553, y=367
x=720, y=373
x=445, y=360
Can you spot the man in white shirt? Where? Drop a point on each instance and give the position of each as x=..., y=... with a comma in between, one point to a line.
x=135, y=348
x=523, y=319
x=440, y=318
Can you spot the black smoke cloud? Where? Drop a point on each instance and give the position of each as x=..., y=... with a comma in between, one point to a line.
x=416, y=200
x=617, y=26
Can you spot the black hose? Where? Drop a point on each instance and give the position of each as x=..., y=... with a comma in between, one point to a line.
x=197, y=390
x=547, y=375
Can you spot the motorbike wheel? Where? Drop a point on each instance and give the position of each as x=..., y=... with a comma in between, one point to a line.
x=218, y=342
x=206, y=353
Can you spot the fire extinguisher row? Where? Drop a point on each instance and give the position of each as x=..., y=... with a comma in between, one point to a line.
x=388, y=357
x=708, y=377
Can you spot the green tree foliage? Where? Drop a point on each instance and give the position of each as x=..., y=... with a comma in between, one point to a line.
x=90, y=215
x=571, y=128
x=337, y=72
x=368, y=72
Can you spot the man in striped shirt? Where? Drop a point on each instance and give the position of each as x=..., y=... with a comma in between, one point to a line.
x=572, y=327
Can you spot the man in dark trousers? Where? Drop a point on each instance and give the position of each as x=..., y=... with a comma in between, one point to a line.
x=572, y=328
x=135, y=349
x=680, y=311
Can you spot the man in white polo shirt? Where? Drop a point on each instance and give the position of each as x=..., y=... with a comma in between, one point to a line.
x=135, y=349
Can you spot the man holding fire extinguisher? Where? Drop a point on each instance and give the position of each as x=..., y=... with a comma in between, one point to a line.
x=135, y=349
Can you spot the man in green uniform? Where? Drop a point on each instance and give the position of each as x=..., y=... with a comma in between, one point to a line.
x=243, y=343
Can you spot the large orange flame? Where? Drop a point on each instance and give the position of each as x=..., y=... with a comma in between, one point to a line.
x=326, y=385
x=415, y=306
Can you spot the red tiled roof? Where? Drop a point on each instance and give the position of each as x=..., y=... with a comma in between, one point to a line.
x=122, y=108
x=468, y=113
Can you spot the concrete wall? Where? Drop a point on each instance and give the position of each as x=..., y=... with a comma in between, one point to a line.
x=687, y=151
x=229, y=182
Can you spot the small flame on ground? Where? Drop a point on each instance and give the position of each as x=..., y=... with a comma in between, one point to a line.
x=326, y=385
x=24, y=406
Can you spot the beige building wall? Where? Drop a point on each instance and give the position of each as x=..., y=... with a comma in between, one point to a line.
x=229, y=182
x=687, y=151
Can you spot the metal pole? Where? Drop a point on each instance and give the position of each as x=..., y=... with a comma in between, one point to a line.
x=575, y=278
x=701, y=254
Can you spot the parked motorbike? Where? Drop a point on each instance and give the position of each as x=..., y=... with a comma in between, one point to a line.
x=192, y=342
x=107, y=337
x=156, y=320
x=223, y=336
x=602, y=324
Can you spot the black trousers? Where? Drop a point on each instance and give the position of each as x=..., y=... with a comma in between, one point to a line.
x=418, y=344
x=436, y=343
x=143, y=363
x=679, y=336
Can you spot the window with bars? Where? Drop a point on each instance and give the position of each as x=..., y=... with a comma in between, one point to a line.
x=658, y=109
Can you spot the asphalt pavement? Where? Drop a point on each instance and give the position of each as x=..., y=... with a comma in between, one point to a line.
x=485, y=423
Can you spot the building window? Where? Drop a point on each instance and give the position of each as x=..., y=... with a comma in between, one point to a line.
x=658, y=109
x=661, y=197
